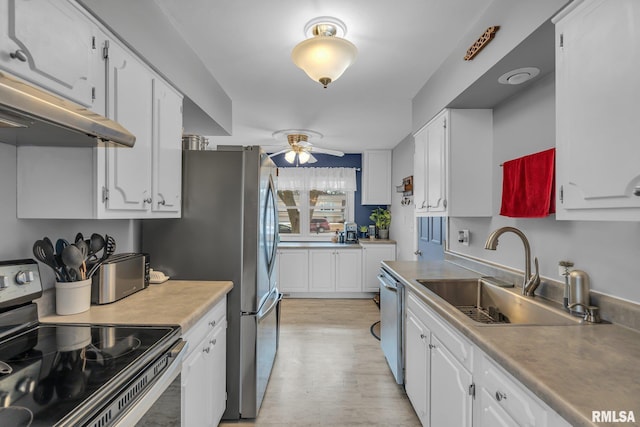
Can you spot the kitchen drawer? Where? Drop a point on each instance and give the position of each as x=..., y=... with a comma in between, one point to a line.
x=457, y=345
x=510, y=395
x=215, y=317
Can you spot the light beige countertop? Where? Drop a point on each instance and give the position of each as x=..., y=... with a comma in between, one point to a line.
x=176, y=302
x=331, y=245
x=574, y=369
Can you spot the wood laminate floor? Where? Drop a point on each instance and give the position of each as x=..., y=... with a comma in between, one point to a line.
x=330, y=370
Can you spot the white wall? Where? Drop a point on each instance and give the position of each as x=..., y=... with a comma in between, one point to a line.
x=402, y=217
x=18, y=235
x=607, y=251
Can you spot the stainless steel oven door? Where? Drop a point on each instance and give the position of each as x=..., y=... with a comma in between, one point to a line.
x=161, y=402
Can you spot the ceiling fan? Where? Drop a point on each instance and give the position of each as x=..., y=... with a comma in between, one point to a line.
x=299, y=146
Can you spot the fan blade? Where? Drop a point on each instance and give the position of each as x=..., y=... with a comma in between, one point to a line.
x=284, y=150
x=311, y=159
x=327, y=151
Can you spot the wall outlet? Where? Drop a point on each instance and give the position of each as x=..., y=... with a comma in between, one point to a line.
x=463, y=237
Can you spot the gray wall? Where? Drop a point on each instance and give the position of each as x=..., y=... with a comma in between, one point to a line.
x=18, y=235
x=402, y=217
x=607, y=251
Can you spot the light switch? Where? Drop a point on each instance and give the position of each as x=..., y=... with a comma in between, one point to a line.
x=463, y=237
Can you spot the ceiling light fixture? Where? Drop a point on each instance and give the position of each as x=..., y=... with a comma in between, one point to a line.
x=325, y=56
x=518, y=76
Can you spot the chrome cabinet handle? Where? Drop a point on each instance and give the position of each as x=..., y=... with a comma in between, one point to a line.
x=636, y=191
x=212, y=323
x=206, y=349
x=213, y=341
x=19, y=55
x=422, y=336
x=418, y=252
x=148, y=200
x=500, y=396
x=431, y=346
x=162, y=202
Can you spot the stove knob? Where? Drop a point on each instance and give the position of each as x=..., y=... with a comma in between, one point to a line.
x=5, y=399
x=26, y=385
x=24, y=277
x=4, y=282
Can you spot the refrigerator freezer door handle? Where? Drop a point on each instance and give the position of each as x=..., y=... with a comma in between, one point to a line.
x=266, y=312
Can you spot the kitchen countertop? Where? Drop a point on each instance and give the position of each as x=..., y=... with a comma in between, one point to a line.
x=175, y=302
x=573, y=369
x=321, y=245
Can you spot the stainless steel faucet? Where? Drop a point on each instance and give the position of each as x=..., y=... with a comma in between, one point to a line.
x=530, y=282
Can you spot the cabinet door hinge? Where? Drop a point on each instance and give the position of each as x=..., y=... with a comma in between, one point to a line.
x=472, y=390
x=561, y=40
x=561, y=194
x=105, y=194
x=93, y=42
x=105, y=50
x=93, y=93
x=444, y=123
x=444, y=203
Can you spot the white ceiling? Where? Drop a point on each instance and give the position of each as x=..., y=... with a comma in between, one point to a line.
x=246, y=44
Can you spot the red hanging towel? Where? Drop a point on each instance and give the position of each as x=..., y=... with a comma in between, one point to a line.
x=528, y=186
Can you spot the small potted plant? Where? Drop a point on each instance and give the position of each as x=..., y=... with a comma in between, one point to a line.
x=382, y=218
x=363, y=231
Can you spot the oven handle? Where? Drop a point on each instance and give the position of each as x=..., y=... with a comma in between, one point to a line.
x=385, y=281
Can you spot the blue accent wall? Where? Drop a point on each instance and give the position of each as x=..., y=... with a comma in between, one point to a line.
x=361, y=213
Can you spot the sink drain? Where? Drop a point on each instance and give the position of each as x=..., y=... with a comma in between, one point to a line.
x=480, y=315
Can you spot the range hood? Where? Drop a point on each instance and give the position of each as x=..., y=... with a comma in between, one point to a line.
x=31, y=116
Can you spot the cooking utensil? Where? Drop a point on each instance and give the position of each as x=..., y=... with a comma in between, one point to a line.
x=73, y=259
x=109, y=249
x=79, y=238
x=96, y=244
x=44, y=253
x=60, y=245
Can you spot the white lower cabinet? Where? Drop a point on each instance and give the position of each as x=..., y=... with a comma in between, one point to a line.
x=335, y=270
x=439, y=386
x=372, y=255
x=293, y=270
x=204, y=370
x=451, y=382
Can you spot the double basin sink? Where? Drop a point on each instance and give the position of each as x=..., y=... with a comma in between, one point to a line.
x=486, y=303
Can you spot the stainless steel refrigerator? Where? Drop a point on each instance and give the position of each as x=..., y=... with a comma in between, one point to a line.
x=229, y=231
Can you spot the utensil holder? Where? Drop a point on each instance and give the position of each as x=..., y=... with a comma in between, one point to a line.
x=73, y=297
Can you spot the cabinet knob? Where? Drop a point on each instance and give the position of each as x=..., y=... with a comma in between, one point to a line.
x=418, y=252
x=500, y=396
x=19, y=55
x=422, y=336
x=636, y=191
x=213, y=341
x=162, y=202
x=212, y=323
x=431, y=346
x=206, y=350
x=148, y=200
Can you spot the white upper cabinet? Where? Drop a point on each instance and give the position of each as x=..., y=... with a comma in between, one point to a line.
x=129, y=102
x=452, y=164
x=597, y=92
x=376, y=177
x=166, y=184
x=52, y=44
x=144, y=181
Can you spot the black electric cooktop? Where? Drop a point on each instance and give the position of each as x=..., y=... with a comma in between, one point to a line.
x=49, y=371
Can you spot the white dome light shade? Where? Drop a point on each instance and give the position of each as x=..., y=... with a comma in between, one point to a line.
x=303, y=156
x=290, y=156
x=325, y=56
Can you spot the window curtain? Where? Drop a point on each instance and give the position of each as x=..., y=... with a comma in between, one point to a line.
x=324, y=179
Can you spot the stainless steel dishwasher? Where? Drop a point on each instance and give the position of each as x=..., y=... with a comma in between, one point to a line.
x=391, y=322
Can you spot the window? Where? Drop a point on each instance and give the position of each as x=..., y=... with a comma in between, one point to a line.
x=306, y=212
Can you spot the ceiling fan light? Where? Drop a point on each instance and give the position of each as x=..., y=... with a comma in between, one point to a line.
x=324, y=57
x=303, y=157
x=290, y=156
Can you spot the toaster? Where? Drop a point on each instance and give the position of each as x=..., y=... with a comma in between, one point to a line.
x=120, y=276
